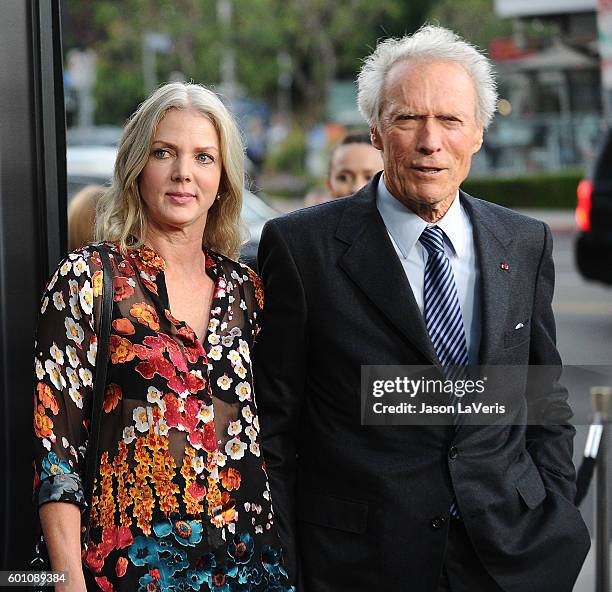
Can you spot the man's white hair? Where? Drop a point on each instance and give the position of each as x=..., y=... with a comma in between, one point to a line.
x=429, y=44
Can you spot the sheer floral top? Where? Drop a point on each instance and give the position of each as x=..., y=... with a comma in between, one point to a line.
x=181, y=499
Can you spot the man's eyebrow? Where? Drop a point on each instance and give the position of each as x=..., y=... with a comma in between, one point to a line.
x=174, y=146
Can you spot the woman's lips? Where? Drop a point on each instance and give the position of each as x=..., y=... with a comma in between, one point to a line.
x=180, y=198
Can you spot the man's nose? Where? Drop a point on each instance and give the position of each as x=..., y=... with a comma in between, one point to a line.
x=430, y=136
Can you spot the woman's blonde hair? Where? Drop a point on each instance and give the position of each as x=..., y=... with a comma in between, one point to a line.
x=120, y=215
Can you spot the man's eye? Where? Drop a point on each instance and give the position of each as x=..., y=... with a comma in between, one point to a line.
x=160, y=153
x=205, y=158
x=342, y=178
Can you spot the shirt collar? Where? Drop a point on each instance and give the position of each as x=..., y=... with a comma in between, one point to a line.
x=405, y=227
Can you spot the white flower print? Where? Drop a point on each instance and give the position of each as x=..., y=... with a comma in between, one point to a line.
x=65, y=268
x=215, y=353
x=73, y=288
x=213, y=339
x=236, y=332
x=76, y=396
x=86, y=298
x=198, y=464
x=251, y=432
x=86, y=376
x=266, y=495
x=243, y=348
x=213, y=324
x=44, y=304
x=161, y=428
x=243, y=390
x=247, y=413
x=219, y=458
x=75, y=309
x=224, y=382
x=243, y=305
x=234, y=428
x=57, y=354
x=55, y=374
x=259, y=529
x=230, y=299
x=74, y=332
x=93, y=350
x=227, y=340
x=65, y=442
x=231, y=527
x=206, y=413
x=79, y=266
x=128, y=434
x=233, y=356
x=46, y=443
x=52, y=281
x=254, y=448
x=143, y=418
x=240, y=370
x=154, y=395
x=58, y=300
x=71, y=354
x=40, y=371
x=73, y=377
x=235, y=448
x=256, y=422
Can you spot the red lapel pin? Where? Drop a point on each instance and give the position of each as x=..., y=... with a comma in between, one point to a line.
x=504, y=266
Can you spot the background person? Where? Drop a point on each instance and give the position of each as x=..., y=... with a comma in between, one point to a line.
x=82, y=216
x=181, y=499
x=413, y=271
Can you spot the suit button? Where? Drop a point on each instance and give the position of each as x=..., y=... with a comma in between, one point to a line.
x=453, y=453
x=438, y=523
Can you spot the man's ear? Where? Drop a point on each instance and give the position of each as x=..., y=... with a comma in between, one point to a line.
x=375, y=138
x=478, y=141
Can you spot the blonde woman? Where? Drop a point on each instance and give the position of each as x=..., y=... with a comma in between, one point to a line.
x=181, y=499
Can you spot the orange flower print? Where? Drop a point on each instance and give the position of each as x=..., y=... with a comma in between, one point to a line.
x=123, y=326
x=121, y=566
x=45, y=395
x=225, y=512
x=112, y=396
x=150, y=258
x=259, y=293
x=173, y=320
x=121, y=349
x=146, y=315
x=97, y=281
x=43, y=425
x=123, y=288
x=230, y=478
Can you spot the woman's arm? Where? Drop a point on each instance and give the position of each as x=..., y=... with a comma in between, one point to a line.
x=61, y=524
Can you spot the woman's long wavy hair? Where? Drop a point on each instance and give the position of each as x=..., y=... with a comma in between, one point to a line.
x=120, y=215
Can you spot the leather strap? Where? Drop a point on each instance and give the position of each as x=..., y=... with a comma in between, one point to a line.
x=92, y=462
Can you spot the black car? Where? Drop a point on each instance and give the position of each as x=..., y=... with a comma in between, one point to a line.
x=594, y=218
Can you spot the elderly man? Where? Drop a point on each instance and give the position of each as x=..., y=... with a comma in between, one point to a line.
x=411, y=270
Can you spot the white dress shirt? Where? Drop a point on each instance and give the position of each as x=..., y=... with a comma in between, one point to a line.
x=405, y=228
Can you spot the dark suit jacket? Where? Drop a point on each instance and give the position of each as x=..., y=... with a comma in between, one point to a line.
x=367, y=508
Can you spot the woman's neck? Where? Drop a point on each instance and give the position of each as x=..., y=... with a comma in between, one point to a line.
x=179, y=251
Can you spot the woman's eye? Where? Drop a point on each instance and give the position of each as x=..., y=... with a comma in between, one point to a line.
x=160, y=153
x=205, y=158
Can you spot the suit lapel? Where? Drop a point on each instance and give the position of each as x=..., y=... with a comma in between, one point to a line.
x=373, y=265
x=492, y=242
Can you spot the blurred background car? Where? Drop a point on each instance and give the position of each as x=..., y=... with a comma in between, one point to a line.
x=593, y=247
x=92, y=164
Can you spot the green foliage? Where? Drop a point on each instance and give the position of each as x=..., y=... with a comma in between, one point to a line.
x=290, y=156
x=535, y=191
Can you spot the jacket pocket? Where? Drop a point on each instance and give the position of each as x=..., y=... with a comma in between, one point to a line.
x=514, y=336
x=332, y=512
x=531, y=487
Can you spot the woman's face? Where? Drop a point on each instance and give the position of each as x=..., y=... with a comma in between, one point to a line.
x=352, y=166
x=181, y=179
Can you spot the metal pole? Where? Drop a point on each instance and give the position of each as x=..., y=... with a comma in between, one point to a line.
x=602, y=403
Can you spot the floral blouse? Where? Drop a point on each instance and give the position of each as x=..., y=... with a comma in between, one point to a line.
x=181, y=499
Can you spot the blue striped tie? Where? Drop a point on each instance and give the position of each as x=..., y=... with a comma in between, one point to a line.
x=442, y=312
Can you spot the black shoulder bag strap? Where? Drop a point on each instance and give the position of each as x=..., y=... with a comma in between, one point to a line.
x=92, y=462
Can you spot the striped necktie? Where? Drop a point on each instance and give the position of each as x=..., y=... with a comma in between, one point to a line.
x=441, y=304
x=443, y=314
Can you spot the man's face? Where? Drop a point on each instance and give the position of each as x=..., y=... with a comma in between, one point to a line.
x=427, y=132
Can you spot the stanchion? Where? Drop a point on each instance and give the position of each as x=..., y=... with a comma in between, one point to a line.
x=602, y=404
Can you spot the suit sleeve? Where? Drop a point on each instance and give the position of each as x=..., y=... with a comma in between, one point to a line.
x=280, y=374
x=550, y=436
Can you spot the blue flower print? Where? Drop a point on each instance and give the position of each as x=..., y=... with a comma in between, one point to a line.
x=171, y=560
x=186, y=532
x=52, y=465
x=241, y=548
x=222, y=578
x=271, y=560
x=252, y=574
x=144, y=551
x=61, y=488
